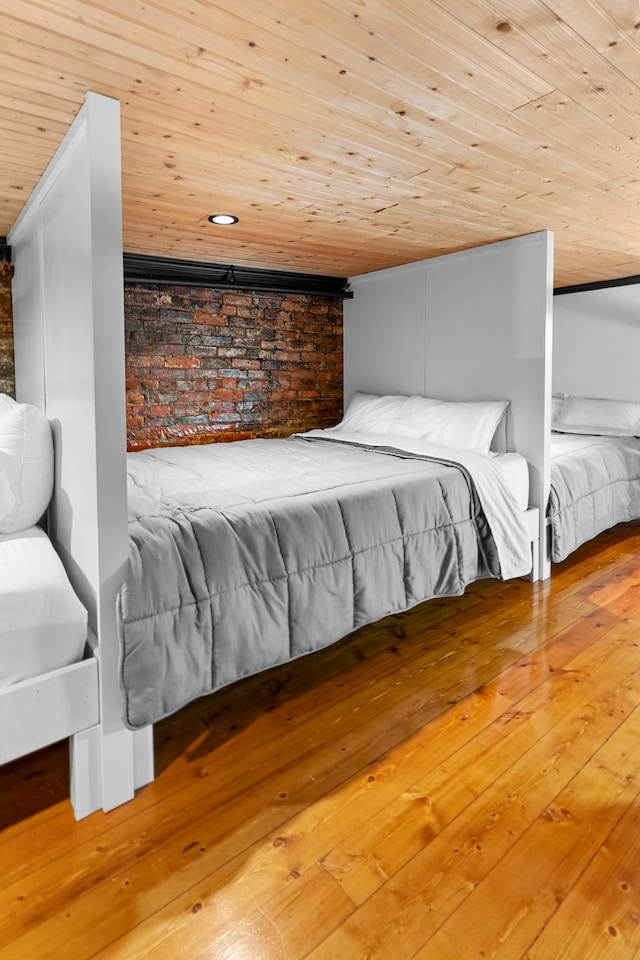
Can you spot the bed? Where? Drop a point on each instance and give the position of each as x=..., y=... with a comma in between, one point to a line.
x=47, y=689
x=248, y=554
x=595, y=469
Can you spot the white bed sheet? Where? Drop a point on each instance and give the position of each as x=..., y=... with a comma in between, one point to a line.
x=513, y=467
x=515, y=470
x=43, y=625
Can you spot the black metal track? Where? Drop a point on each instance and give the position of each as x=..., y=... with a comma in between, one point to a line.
x=141, y=269
x=598, y=285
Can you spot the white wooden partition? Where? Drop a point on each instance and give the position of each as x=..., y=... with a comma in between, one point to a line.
x=69, y=352
x=470, y=325
x=596, y=342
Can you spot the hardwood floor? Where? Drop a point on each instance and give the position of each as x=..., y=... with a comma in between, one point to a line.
x=458, y=782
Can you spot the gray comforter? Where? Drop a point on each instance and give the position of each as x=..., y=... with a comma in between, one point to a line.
x=595, y=484
x=238, y=564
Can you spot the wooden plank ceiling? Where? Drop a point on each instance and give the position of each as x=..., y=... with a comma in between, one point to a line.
x=347, y=135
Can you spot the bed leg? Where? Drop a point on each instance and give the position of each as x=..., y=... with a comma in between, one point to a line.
x=535, y=556
x=143, y=769
x=86, y=781
x=532, y=523
x=106, y=769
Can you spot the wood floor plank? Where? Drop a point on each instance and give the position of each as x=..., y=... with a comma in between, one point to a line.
x=115, y=850
x=441, y=875
x=302, y=840
x=599, y=919
x=503, y=913
x=339, y=817
x=370, y=856
x=266, y=930
x=423, y=676
x=382, y=783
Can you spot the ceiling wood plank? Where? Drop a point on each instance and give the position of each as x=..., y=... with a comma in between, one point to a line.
x=348, y=135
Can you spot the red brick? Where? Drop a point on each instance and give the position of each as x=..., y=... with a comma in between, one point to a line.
x=236, y=299
x=181, y=361
x=241, y=364
x=276, y=369
x=222, y=394
x=7, y=368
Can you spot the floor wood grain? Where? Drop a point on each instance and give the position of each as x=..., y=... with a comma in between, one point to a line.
x=458, y=782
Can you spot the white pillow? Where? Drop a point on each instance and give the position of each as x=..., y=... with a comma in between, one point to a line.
x=465, y=425
x=556, y=408
x=7, y=499
x=370, y=413
x=592, y=415
x=462, y=424
x=26, y=463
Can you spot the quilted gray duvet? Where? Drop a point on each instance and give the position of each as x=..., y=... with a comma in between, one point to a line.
x=595, y=484
x=248, y=554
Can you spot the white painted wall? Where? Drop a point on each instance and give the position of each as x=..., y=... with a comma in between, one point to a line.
x=596, y=343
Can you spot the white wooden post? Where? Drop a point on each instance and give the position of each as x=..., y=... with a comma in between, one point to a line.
x=69, y=344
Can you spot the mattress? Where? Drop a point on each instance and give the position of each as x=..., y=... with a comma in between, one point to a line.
x=43, y=625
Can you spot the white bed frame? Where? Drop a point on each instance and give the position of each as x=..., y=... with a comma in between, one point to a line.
x=69, y=352
x=41, y=711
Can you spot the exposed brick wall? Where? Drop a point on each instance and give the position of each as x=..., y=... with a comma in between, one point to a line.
x=7, y=370
x=207, y=364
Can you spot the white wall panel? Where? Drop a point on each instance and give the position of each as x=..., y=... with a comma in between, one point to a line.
x=385, y=316
x=69, y=323
x=67, y=251
x=596, y=342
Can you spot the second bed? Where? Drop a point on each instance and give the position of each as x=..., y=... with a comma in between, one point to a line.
x=595, y=469
x=595, y=484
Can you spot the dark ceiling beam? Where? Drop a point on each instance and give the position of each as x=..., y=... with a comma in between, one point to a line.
x=598, y=285
x=141, y=269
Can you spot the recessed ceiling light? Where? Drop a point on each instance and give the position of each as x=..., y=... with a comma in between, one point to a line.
x=222, y=218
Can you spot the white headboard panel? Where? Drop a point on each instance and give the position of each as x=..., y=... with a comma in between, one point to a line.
x=596, y=342
x=386, y=314
x=69, y=346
